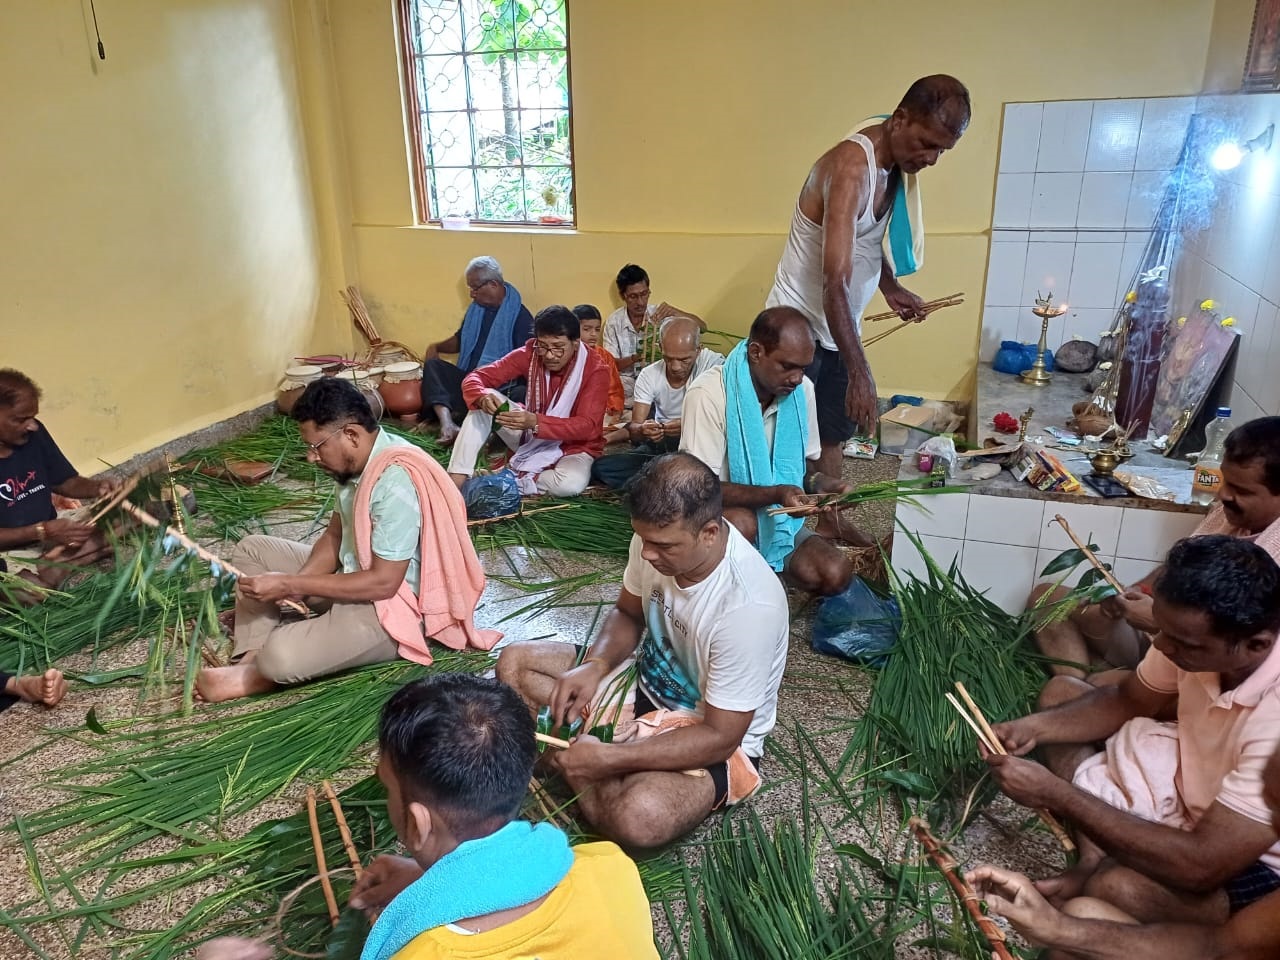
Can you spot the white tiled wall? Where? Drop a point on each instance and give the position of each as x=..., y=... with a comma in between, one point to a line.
x=1075, y=174
x=1235, y=257
x=1004, y=542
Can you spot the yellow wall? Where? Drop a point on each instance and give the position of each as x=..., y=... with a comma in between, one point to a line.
x=160, y=253
x=1228, y=45
x=695, y=124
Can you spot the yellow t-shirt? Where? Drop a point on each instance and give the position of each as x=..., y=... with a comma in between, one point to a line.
x=598, y=910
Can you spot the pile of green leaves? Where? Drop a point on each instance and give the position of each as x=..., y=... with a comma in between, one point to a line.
x=910, y=739
x=586, y=525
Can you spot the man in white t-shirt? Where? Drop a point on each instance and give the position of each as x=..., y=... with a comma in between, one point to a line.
x=714, y=653
x=624, y=329
x=658, y=403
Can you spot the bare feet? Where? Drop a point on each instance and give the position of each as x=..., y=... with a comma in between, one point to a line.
x=459, y=479
x=216, y=684
x=448, y=432
x=48, y=689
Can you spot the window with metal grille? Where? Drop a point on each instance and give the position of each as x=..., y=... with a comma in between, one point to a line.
x=489, y=100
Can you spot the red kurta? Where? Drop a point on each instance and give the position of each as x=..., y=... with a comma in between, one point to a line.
x=580, y=431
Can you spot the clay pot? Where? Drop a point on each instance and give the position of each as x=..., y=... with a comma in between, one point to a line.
x=291, y=387
x=401, y=388
x=368, y=390
x=286, y=399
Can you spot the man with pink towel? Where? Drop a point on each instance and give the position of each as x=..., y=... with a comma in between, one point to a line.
x=394, y=569
x=1172, y=820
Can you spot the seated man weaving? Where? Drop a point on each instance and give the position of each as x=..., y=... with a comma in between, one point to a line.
x=32, y=470
x=1095, y=930
x=1118, y=629
x=754, y=420
x=456, y=757
x=556, y=432
x=624, y=330
x=394, y=568
x=707, y=672
x=659, y=400
x=496, y=323
x=1176, y=810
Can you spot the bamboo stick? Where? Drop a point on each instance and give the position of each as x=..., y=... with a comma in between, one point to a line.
x=190, y=545
x=325, y=885
x=947, y=866
x=929, y=306
x=995, y=745
x=982, y=737
x=114, y=499
x=517, y=514
x=1089, y=554
x=343, y=829
x=888, y=333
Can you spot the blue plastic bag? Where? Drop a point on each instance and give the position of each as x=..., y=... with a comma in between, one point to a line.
x=858, y=625
x=491, y=495
x=1014, y=357
x=1008, y=358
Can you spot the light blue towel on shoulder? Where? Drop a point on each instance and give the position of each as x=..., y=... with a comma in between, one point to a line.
x=750, y=460
x=498, y=345
x=509, y=868
x=904, y=237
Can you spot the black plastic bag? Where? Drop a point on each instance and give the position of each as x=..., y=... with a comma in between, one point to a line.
x=491, y=495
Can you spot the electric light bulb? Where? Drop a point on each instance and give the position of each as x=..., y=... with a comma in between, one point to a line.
x=1227, y=156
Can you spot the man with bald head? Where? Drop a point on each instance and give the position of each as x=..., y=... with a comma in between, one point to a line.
x=857, y=226
x=659, y=400
x=754, y=421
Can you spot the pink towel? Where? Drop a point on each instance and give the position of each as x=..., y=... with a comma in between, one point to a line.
x=450, y=578
x=1137, y=772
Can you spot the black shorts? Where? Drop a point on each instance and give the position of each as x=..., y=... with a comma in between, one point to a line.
x=1252, y=884
x=719, y=772
x=830, y=383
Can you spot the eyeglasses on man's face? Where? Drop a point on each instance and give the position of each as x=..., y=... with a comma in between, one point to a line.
x=314, y=448
x=552, y=348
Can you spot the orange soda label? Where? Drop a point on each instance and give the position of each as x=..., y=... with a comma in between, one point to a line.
x=1207, y=479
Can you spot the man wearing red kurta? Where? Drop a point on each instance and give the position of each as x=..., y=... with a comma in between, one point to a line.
x=556, y=435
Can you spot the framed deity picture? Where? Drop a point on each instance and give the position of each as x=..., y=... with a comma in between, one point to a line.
x=1262, y=66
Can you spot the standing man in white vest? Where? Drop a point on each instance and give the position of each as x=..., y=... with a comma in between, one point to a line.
x=857, y=226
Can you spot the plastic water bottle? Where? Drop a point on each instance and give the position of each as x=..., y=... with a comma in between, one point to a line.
x=1208, y=478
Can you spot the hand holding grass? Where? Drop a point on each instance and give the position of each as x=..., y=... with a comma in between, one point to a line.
x=572, y=695
x=67, y=533
x=516, y=419
x=382, y=881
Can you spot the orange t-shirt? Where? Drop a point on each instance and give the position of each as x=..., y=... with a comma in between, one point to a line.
x=617, y=396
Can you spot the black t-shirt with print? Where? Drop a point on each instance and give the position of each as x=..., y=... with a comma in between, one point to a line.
x=27, y=478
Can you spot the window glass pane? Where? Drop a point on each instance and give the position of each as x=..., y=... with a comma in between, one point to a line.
x=439, y=27
x=492, y=84
x=455, y=192
x=443, y=85
x=501, y=194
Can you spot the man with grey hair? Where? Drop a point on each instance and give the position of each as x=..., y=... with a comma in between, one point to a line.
x=496, y=323
x=658, y=401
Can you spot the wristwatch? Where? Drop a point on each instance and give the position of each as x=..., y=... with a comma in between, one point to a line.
x=535, y=425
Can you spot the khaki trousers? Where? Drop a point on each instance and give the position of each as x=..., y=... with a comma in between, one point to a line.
x=342, y=636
